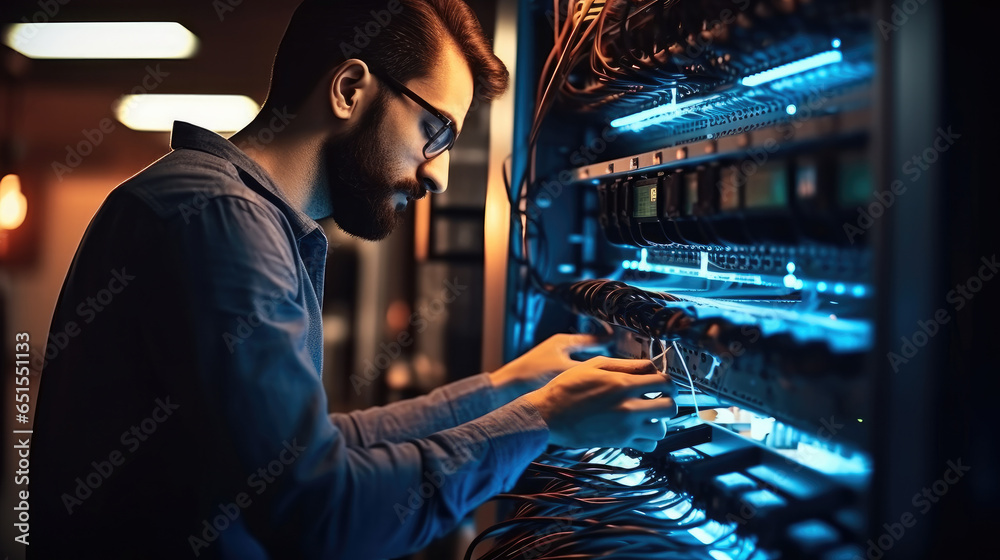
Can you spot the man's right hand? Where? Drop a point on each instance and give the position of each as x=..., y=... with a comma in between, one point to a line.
x=600, y=403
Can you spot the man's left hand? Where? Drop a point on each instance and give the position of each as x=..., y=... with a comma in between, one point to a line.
x=538, y=366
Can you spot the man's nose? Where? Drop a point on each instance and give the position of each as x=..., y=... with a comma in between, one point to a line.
x=434, y=173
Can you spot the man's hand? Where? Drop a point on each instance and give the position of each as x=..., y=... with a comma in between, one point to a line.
x=539, y=365
x=600, y=403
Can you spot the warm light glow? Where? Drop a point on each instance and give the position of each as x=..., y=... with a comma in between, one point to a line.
x=99, y=39
x=157, y=112
x=497, y=217
x=422, y=229
x=13, y=205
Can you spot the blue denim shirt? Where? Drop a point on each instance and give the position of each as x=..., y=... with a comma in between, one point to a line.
x=181, y=412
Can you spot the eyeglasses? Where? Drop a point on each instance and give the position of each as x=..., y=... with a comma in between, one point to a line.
x=443, y=138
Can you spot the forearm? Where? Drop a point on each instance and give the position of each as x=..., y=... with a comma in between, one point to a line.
x=393, y=498
x=446, y=407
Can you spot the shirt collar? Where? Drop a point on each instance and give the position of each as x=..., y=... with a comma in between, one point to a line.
x=186, y=135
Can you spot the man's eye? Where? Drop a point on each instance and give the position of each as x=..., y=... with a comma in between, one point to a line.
x=428, y=130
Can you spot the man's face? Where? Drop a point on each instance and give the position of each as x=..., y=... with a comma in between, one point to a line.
x=379, y=166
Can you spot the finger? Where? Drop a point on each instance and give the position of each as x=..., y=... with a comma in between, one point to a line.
x=657, y=394
x=640, y=385
x=643, y=444
x=653, y=428
x=673, y=387
x=624, y=366
x=647, y=409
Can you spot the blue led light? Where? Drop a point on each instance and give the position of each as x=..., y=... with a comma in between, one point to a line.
x=566, y=268
x=799, y=284
x=656, y=115
x=799, y=66
x=703, y=535
x=791, y=109
x=625, y=263
x=789, y=281
x=790, y=267
x=858, y=290
x=839, y=288
x=835, y=43
x=821, y=286
x=815, y=532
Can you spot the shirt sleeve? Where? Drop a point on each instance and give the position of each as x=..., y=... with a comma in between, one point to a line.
x=445, y=407
x=262, y=404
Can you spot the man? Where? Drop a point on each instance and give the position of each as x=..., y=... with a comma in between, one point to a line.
x=163, y=430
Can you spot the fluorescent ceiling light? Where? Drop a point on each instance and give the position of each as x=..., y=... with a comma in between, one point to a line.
x=778, y=72
x=94, y=39
x=157, y=112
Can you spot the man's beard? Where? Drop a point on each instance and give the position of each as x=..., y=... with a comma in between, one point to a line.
x=362, y=189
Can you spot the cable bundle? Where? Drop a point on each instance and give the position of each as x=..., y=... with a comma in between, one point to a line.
x=644, y=53
x=617, y=303
x=572, y=28
x=604, y=505
x=644, y=50
x=573, y=31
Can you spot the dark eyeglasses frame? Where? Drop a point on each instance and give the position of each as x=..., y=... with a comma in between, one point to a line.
x=448, y=123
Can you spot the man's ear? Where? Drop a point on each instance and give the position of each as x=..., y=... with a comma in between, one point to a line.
x=351, y=87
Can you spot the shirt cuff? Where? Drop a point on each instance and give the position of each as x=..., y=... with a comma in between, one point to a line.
x=518, y=435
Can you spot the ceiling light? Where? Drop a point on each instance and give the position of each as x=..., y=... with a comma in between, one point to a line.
x=97, y=39
x=157, y=112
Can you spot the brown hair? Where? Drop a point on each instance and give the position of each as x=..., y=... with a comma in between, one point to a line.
x=401, y=37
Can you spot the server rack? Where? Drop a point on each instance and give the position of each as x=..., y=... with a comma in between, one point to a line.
x=770, y=214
